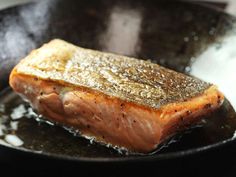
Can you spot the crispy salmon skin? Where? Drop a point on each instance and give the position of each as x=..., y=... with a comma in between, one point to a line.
x=118, y=100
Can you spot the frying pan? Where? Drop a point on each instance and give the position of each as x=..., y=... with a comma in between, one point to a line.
x=178, y=35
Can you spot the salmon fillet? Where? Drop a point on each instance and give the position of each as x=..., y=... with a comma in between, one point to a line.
x=117, y=100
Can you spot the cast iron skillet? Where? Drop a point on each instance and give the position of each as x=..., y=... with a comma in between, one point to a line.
x=182, y=36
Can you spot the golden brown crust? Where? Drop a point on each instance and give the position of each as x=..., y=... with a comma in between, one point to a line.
x=129, y=79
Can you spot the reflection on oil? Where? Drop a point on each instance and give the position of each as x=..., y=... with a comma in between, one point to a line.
x=9, y=125
x=18, y=112
x=122, y=33
x=217, y=64
x=13, y=140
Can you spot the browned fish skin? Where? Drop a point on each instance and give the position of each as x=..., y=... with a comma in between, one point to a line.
x=129, y=79
x=103, y=96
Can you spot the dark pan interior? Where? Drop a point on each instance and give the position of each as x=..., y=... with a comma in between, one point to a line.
x=177, y=35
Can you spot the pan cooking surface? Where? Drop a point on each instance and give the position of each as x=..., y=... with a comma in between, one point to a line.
x=171, y=34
